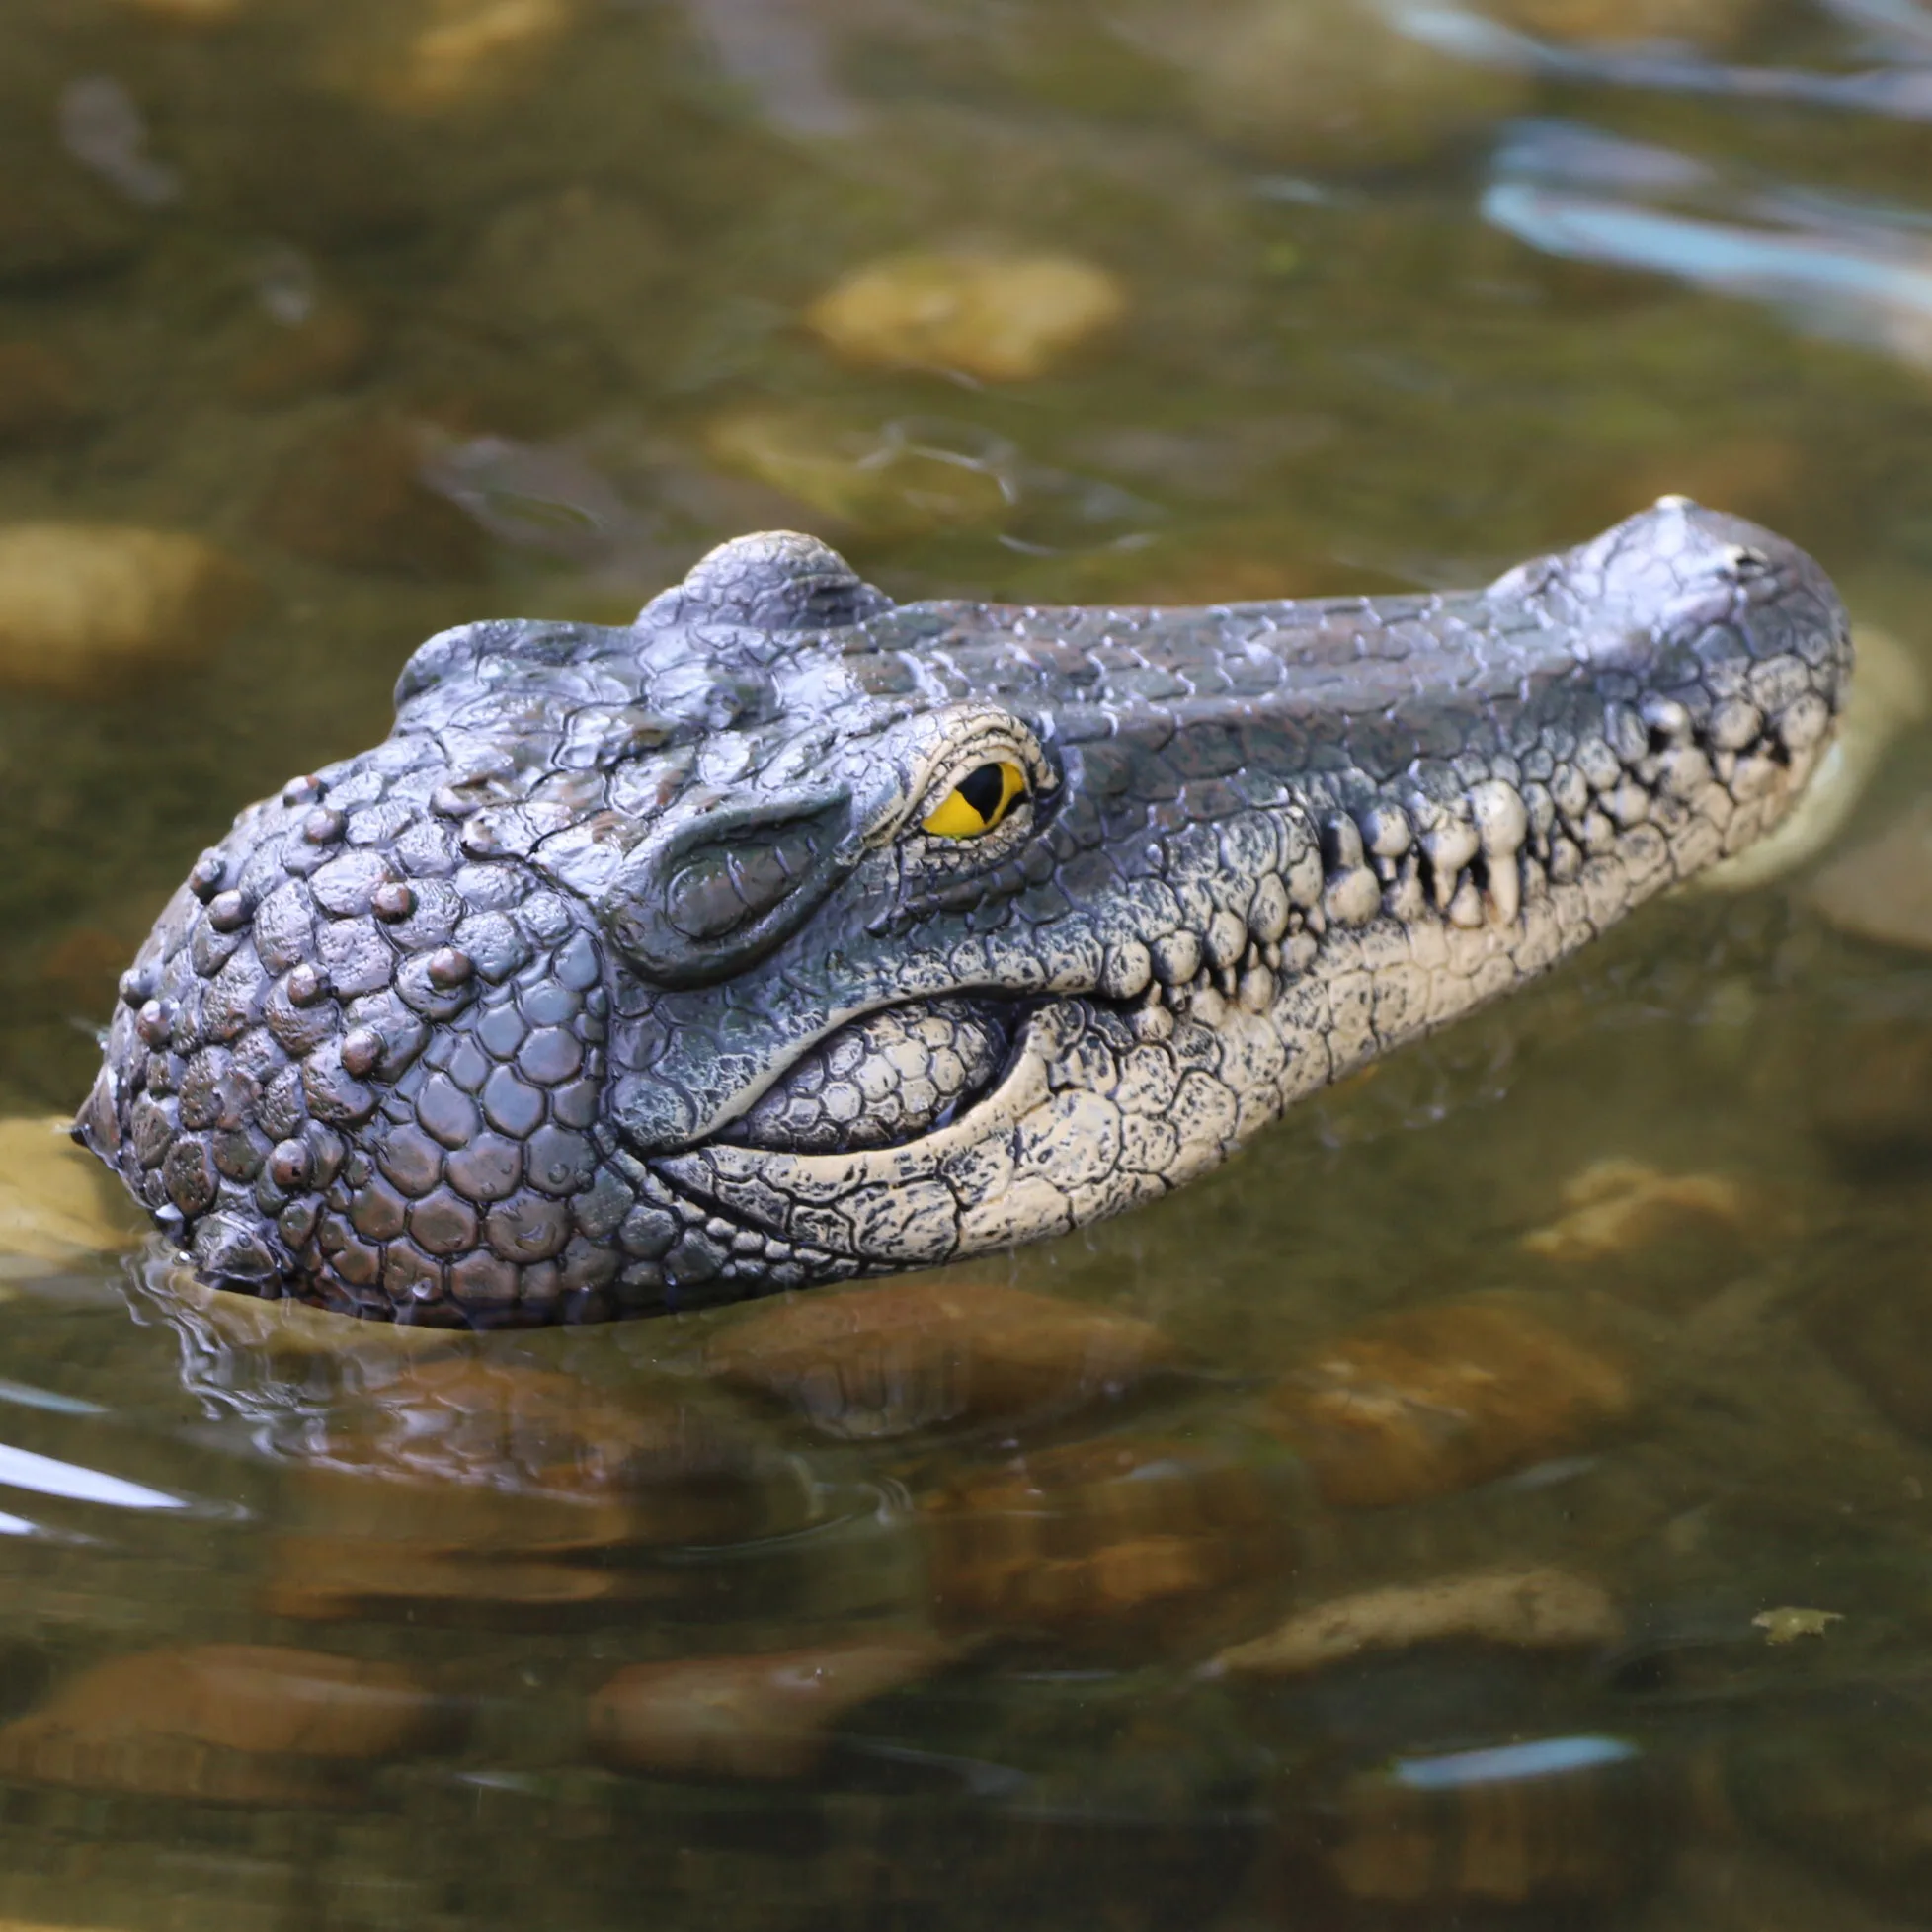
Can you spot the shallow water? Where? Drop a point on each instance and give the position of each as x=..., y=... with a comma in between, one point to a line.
x=433, y=310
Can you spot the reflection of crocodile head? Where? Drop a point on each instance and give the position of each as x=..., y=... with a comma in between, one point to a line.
x=787, y=936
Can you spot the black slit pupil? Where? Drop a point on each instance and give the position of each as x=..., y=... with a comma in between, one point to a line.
x=982, y=790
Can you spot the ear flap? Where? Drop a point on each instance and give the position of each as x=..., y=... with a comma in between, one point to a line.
x=705, y=898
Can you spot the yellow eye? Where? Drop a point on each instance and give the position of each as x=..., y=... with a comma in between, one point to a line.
x=978, y=802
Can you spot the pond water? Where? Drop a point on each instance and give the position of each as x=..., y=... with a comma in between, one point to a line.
x=1503, y=1495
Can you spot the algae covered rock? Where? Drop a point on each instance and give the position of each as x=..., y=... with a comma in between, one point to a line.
x=87, y=607
x=999, y=317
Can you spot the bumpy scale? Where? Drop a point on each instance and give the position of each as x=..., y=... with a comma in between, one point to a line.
x=647, y=967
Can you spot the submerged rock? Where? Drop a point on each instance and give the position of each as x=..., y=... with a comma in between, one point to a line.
x=85, y=607
x=426, y=56
x=229, y=1722
x=997, y=316
x=40, y=391
x=750, y=1717
x=1436, y=1399
x=871, y=1362
x=55, y=226
x=1547, y=1829
x=459, y=1480
x=1520, y=1609
x=1881, y=889
x=1117, y=1544
x=1326, y=83
x=864, y=483
x=1618, y=1204
x=581, y=260
x=57, y=1204
x=327, y=348
x=356, y=498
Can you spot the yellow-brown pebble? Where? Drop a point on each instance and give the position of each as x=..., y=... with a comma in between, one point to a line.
x=877, y=1362
x=1618, y=1204
x=235, y=1722
x=1521, y=1609
x=998, y=317
x=766, y=1716
x=1436, y=1399
x=85, y=607
x=1112, y=1542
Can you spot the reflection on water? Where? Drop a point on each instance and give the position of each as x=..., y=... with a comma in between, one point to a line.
x=1500, y=1499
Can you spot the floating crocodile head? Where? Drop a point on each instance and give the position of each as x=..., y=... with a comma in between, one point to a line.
x=786, y=935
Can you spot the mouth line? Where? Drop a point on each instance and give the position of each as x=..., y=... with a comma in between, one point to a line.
x=891, y=1077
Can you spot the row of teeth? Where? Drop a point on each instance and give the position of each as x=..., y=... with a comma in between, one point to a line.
x=1473, y=858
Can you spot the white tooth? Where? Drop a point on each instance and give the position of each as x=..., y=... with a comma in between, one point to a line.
x=1450, y=847
x=1506, y=888
x=1466, y=908
x=1268, y=909
x=1385, y=830
x=1501, y=818
x=1256, y=990
x=1344, y=842
x=1226, y=938
x=1177, y=958
x=1407, y=900
x=1735, y=724
x=1127, y=970
x=1354, y=897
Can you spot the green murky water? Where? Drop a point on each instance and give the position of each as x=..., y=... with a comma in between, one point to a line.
x=419, y=310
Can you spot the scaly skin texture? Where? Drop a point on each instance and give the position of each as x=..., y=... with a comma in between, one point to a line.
x=622, y=977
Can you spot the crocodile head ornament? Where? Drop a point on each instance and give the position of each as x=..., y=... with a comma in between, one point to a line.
x=786, y=935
